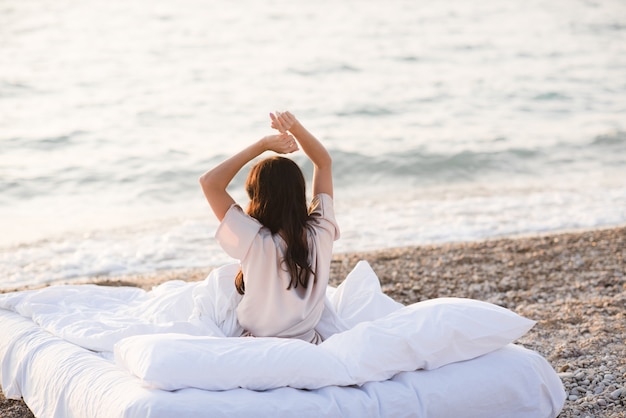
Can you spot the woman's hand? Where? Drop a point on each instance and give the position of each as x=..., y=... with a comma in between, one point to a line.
x=282, y=143
x=282, y=121
x=312, y=147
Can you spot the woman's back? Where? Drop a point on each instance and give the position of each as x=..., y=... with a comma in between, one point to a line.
x=268, y=307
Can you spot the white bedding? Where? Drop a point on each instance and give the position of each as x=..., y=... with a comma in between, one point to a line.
x=78, y=351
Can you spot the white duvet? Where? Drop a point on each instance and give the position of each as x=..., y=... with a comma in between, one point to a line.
x=112, y=352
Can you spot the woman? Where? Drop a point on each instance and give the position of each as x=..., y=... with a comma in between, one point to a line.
x=284, y=248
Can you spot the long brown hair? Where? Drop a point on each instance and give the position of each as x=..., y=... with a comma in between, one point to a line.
x=277, y=192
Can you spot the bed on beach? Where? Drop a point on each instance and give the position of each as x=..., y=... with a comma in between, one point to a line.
x=91, y=351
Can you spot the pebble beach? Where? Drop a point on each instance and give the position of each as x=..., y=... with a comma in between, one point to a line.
x=573, y=284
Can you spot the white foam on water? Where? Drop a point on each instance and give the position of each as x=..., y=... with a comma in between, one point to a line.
x=432, y=217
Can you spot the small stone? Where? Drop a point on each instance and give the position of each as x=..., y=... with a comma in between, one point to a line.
x=572, y=397
x=580, y=376
x=617, y=393
x=609, y=377
x=601, y=402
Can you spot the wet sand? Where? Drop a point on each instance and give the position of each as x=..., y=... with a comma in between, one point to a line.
x=573, y=284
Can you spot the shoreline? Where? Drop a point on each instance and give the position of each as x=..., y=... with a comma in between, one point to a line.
x=572, y=283
x=147, y=280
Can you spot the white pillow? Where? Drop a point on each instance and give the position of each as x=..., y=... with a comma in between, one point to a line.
x=425, y=335
x=175, y=361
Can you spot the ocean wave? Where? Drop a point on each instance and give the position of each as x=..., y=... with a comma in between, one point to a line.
x=604, y=27
x=420, y=165
x=552, y=96
x=165, y=178
x=317, y=70
x=610, y=139
x=44, y=143
x=431, y=166
x=160, y=179
x=14, y=89
x=371, y=110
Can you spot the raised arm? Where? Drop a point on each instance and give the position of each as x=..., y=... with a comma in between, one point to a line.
x=312, y=147
x=215, y=181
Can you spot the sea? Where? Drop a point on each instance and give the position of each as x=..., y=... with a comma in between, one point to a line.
x=450, y=120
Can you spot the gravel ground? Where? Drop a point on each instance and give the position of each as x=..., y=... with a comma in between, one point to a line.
x=572, y=284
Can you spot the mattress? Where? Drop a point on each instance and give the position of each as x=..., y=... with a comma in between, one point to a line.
x=85, y=351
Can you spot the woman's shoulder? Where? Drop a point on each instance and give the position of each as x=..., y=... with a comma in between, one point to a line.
x=323, y=214
x=237, y=232
x=321, y=201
